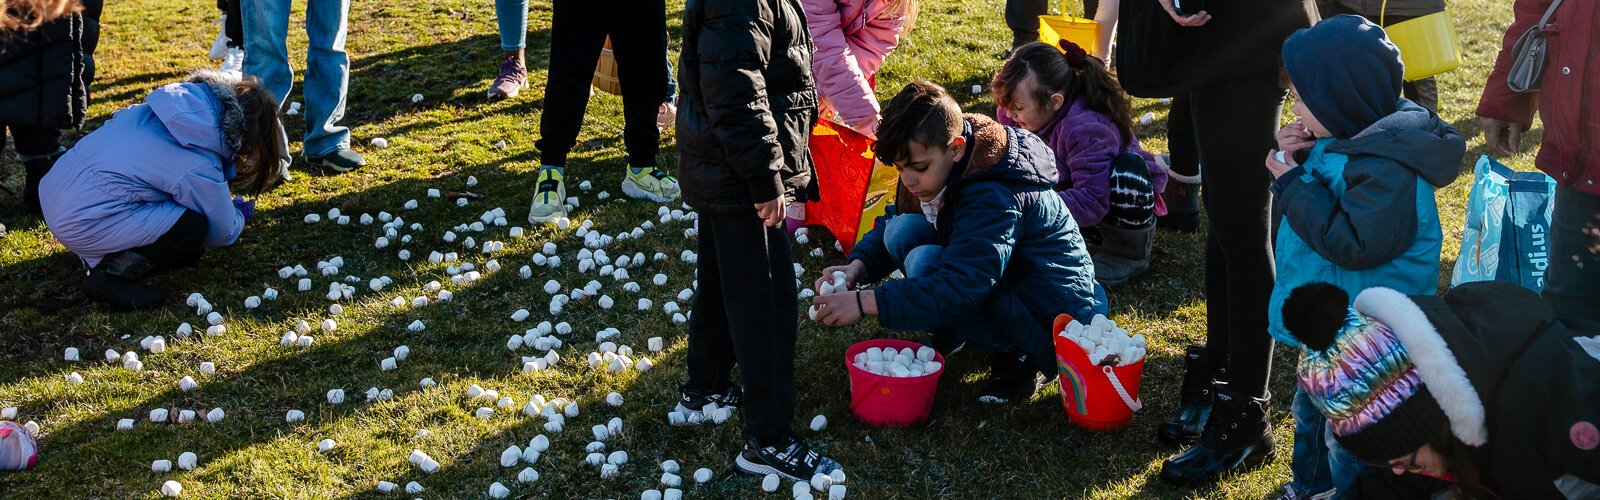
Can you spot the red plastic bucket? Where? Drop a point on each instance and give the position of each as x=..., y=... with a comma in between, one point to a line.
x=1090, y=393
x=890, y=401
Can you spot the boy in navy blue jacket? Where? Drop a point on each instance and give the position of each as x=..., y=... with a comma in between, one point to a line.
x=990, y=252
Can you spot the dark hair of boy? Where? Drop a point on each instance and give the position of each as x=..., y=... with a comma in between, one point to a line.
x=923, y=112
x=1070, y=71
x=258, y=157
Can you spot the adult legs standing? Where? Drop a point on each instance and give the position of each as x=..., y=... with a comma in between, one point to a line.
x=1022, y=16
x=512, y=18
x=327, y=79
x=745, y=314
x=577, y=33
x=639, y=43
x=1234, y=123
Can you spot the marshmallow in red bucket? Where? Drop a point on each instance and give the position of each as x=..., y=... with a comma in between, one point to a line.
x=1105, y=342
x=901, y=363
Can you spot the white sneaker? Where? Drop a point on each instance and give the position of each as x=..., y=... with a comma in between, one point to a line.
x=233, y=64
x=219, y=47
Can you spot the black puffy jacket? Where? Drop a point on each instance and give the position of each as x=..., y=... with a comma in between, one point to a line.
x=45, y=73
x=747, y=105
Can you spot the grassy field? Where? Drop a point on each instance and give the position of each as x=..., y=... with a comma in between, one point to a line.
x=447, y=51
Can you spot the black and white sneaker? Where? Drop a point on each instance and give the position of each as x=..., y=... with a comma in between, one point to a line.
x=690, y=401
x=730, y=398
x=791, y=459
x=1010, y=379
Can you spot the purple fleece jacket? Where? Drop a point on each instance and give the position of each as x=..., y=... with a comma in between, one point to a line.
x=1085, y=141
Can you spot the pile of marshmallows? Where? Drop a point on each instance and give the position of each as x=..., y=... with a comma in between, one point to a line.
x=837, y=286
x=1105, y=343
x=903, y=363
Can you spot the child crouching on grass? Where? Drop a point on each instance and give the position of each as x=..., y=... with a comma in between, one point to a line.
x=1109, y=183
x=151, y=189
x=989, y=251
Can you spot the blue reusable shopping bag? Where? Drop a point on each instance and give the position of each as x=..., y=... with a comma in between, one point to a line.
x=1506, y=236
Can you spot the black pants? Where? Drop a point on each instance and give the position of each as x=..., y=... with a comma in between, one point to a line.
x=1184, y=156
x=233, y=26
x=182, y=245
x=1022, y=16
x=31, y=140
x=744, y=314
x=1572, y=282
x=1234, y=122
x=578, y=31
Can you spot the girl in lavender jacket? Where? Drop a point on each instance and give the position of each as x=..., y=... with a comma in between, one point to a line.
x=1109, y=183
x=149, y=190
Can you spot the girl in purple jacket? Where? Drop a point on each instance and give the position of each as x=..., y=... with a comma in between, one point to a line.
x=1109, y=183
x=152, y=188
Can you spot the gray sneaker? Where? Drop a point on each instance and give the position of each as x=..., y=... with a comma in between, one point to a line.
x=342, y=160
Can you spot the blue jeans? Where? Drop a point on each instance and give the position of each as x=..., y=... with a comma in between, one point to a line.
x=512, y=16
x=1319, y=463
x=327, y=78
x=913, y=244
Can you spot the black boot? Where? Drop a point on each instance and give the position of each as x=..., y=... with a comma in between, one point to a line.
x=117, y=281
x=1183, y=200
x=1194, y=400
x=35, y=169
x=1236, y=437
x=1011, y=379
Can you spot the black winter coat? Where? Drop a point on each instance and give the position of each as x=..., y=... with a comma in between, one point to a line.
x=1538, y=381
x=747, y=106
x=45, y=73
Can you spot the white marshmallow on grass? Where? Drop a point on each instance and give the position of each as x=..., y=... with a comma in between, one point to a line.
x=609, y=471
x=335, y=396
x=158, y=416
x=313, y=218
x=702, y=475
x=216, y=330
x=659, y=279
x=669, y=466
x=386, y=487
x=836, y=492
x=618, y=458
x=380, y=143
x=519, y=315
x=819, y=423
x=528, y=475
x=74, y=378
x=769, y=483
x=325, y=445
x=416, y=326
x=207, y=368
x=293, y=416
x=184, y=330
x=187, y=384
x=171, y=489
x=388, y=364
x=671, y=480
x=122, y=424
x=650, y=495
x=511, y=456
x=187, y=460
x=614, y=399
x=413, y=488
x=215, y=415
x=304, y=285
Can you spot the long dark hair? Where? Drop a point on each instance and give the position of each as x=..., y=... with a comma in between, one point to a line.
x=259, y=157
x=1071, y=72
x=1459, y=462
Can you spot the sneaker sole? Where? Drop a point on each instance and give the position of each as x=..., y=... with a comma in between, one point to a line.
x=332, y=166
x=633, y=190
x=755, y=469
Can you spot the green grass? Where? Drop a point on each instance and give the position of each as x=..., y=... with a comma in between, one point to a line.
x=447, y=51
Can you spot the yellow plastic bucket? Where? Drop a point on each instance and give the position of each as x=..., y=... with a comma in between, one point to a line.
x=605, y=71
x=1084, y=32
x=1427, y=44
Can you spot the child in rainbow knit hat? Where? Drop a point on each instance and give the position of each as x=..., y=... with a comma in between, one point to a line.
x=1480, y=391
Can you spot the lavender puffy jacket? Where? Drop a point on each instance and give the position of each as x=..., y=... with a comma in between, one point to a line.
x=852, y=38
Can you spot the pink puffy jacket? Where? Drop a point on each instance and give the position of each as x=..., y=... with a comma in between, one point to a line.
x=852, y=38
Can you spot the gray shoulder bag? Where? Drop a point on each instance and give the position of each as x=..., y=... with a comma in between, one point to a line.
x=1530, y=56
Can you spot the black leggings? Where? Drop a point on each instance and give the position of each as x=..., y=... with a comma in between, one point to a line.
x=744, y=315
x=1234, y=122
x=233, y=26
x=638, y=41
x=181, y=246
